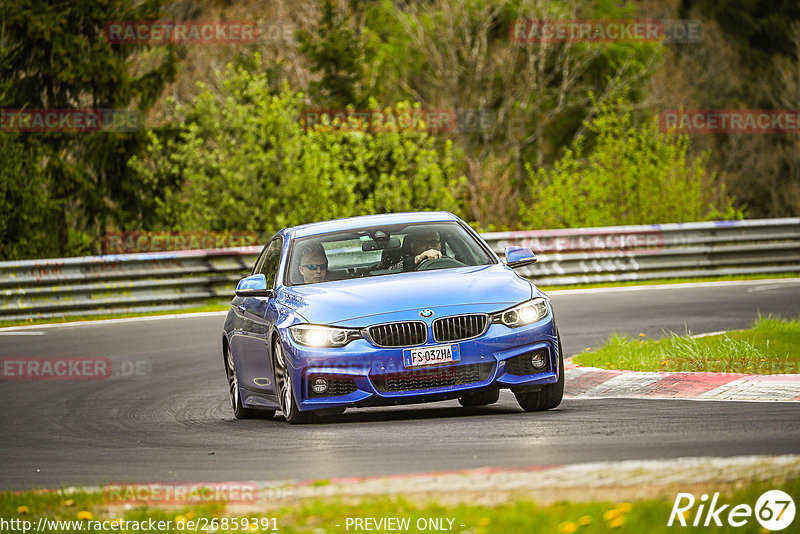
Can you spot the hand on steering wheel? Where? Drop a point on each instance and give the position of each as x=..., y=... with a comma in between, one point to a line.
x=444, y=262
x=430, y=254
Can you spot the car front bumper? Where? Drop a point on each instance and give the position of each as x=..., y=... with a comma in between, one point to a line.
x=361, y=374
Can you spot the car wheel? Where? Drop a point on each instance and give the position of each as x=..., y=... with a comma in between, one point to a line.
x=283, y=382
x=550, y=395
x=239, y=411
x=482, y=398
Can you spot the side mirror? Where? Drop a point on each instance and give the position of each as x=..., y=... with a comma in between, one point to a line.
x=254, y=286
x=519, y=257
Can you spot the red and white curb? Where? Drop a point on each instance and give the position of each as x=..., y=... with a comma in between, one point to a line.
x=591, y=382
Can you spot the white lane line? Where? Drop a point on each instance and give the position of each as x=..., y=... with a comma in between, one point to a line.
x=22, y=333
x=767, y=287
x=692, y=285
x=717, y=333
x=116, y=321
x=677, y=399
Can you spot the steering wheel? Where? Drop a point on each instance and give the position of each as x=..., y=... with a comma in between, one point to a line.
x=439, y=263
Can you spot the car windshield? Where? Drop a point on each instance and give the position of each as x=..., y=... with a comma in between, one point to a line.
x=379, y=251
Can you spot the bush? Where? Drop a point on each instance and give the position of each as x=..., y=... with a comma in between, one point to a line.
x=244, y=161
x=631, y=175
x=26, y=211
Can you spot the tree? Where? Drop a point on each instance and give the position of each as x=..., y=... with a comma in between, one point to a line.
x=26, y=223
x=56, y=56
x=337, y=53
x=530, y=97
x=244, y=161
x=631, y=175
x=749, y=51
x=759, y=30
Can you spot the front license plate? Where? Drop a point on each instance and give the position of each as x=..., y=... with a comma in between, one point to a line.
x=433, y=355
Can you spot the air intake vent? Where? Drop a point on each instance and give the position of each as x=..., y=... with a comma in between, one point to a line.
x=521, y=365
x=459, y=327
x=432, y=378
x=336, y=386
x=405, y=334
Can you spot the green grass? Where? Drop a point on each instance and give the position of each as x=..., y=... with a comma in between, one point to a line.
x=772, y=346
x=671, y=281
x=321, y=515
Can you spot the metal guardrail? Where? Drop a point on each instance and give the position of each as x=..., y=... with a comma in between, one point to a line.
x=660, y=251
x=124, y=283
x=170, y=280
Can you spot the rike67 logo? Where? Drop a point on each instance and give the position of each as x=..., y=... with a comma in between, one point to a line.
x=774, y=510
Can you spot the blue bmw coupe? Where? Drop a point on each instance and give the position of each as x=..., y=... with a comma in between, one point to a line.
x=387, y=309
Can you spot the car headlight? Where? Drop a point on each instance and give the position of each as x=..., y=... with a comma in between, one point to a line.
x=522, y=314
x=323, y=336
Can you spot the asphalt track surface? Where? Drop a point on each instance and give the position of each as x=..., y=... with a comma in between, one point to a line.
x=174, y=422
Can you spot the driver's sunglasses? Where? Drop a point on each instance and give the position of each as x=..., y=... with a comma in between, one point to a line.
x=430, y=242
x=315, y=266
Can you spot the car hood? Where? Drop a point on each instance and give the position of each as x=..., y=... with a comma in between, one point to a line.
x=340, y=301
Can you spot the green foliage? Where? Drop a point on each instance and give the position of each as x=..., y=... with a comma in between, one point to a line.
x=26, y=223
x=56, y=56
x=770, y=347
x=758, y=29
x=631, y=175
x=459, y=54
x=508, y=512
x=243, y=161
x=337, y=53
x=240, y=160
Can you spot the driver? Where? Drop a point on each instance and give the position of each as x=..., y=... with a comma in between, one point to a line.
x=422, y=246
x=313, y=264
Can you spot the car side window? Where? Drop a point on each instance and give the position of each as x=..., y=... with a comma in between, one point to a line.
x=260, y=261
x=272, y=258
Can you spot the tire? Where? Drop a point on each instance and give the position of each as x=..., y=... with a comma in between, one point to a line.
x=239, y=411
x=482, y=398
x=550, y=395
x=283, y=382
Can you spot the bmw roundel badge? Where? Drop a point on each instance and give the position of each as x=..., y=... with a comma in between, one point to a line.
x=426, y=313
